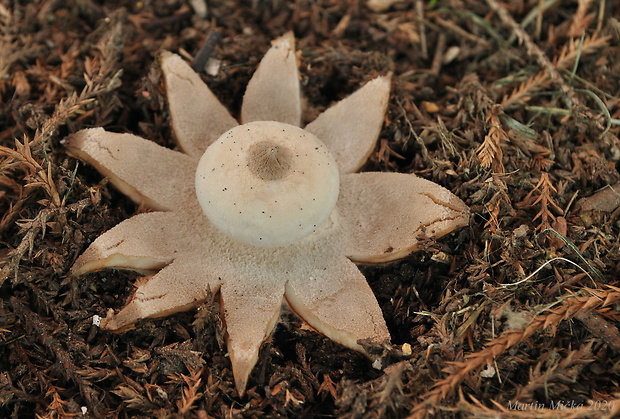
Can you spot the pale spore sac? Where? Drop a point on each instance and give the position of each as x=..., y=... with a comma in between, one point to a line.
x=281, y=183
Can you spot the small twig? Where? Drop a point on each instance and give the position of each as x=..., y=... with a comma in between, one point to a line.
x=601, y=15
x=205, y=51
x=600, y=328
x=439, y=51
x=419, y=7
x=539, y=18
x=182, y=14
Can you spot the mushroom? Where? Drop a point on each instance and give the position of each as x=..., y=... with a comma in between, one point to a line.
x=267, y=183
x=264, y=212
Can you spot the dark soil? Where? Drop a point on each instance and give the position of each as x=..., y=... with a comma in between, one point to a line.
x=514, y=316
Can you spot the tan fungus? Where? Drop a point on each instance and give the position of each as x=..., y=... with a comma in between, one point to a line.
x=201, y=238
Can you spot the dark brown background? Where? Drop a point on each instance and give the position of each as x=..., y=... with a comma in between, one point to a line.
x=496, y=114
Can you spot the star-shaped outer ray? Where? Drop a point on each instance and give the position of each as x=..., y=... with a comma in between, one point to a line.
x=378, y=216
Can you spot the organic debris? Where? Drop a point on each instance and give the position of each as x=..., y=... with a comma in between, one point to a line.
x=514, y=107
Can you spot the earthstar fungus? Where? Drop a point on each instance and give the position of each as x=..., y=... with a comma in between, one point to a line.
x=267, y=183
x=262, y=212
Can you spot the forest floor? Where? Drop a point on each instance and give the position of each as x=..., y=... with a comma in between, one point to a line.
x=513, y=106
